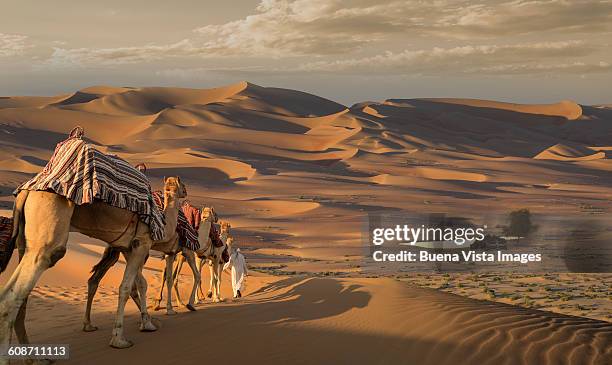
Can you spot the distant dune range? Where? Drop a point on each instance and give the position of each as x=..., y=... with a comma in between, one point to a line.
x=296, y=175
x=271, y=159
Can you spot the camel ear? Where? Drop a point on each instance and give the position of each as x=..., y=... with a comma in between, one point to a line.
x=164, y=180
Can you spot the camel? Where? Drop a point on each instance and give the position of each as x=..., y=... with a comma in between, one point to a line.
x=215, y=263
x=42, y=221
x=214, y=256
x=169, y=246
x=208, y=216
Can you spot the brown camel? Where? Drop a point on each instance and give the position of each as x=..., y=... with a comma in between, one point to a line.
x=208, y=216
x=42, y=221
x=173, y=191
x=214, y=256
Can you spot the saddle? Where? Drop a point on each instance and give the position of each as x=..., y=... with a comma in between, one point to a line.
x=214, y=237
x=188, y=235
x=6, y=231
x=82, y=174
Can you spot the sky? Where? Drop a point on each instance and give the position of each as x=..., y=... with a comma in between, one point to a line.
x=348, y=51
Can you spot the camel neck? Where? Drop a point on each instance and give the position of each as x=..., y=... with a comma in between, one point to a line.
x=204, y=232
x=170, y=201
x=171, y=214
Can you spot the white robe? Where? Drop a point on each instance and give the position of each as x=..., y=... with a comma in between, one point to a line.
x=238, y=265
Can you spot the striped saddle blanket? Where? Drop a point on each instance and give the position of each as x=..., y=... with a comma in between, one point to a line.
x=82, y=174
x=6, y=231
x=188, y=235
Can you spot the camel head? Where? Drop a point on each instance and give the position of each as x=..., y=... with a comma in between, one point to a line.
x=209, y=214
x=225, y=227
x=174, y=185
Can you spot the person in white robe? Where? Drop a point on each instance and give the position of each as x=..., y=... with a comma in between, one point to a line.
x=237, y=263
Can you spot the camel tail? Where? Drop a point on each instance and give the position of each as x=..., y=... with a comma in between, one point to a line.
x=109, y=258
x=18, y=229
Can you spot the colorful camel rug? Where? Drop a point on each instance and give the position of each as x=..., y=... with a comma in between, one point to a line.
x=83, y=174
x=188, y=235
x=193, y=215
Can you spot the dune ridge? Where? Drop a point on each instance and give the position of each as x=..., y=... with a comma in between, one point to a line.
x=566, y=108
x=245, y=141
x=297, y=176
x=572, y=152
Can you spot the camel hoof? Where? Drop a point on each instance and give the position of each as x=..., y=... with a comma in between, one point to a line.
x=89, y=328
x=170, y=312
x=121, y=343
x=148, y=327
x=190, y=307
x=157, y=306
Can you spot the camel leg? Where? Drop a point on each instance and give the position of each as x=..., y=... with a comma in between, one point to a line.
x=20, y=329
x=134, y=265
x=190, y=258
x=177, y=276
x=135, y=292
x=139, y=297
x=109, y=258
x=200, y=297
x=211, y=286
x=145, y=319
x=219, y=277
x=169, y=281
x=217, y=289
x=45, y=239
x=160, y=295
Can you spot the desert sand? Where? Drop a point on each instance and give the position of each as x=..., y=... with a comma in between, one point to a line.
x=305, y=319
x=296, y=175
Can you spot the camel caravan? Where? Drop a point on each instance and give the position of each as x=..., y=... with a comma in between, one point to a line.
x=102, y=196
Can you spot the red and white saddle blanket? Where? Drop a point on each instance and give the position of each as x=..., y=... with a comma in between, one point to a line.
x=82, y=174
x=193, y=215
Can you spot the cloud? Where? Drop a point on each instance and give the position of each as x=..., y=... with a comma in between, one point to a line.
x=121, y=55
x=327, y=27
x=283, y=28
x=492, y=59
x=524, y=17
x=12, y=44
x=323, y=29
x=206, y=73
x=565, y=68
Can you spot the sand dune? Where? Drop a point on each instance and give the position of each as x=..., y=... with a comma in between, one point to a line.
x=566, y=108
x=566, y=152
x=29, y=101
x=341, y=320
x=245, y=141
x=297, y=175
